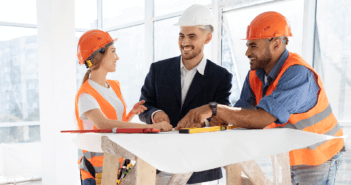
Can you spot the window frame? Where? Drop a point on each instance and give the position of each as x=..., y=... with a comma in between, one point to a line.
x=217, y=7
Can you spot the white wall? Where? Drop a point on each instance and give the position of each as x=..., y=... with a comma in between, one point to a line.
x=20, y=159
x=57, y=88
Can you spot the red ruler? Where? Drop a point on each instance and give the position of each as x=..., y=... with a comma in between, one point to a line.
x=116, y=130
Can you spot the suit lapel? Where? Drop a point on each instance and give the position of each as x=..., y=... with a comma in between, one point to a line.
x=196, y=86
x=174, y=78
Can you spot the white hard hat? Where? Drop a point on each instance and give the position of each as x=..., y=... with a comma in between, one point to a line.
x=196, y=15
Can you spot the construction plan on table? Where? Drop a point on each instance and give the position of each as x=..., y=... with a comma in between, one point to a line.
x=182, y=153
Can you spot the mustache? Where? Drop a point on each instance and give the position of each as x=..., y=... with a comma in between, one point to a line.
x=187, y=46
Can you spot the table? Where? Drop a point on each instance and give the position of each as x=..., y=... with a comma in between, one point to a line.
x=182, y=154
x=145, y=174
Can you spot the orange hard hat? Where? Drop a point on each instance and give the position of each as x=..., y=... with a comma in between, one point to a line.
x=91, y=42
x=267, y=25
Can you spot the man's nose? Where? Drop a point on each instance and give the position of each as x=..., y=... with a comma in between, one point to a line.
x=185, y=42
x=248, y=52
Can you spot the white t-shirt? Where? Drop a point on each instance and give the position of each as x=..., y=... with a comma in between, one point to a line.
x=87, y=102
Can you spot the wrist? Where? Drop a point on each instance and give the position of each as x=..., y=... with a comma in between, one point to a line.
x=206, y=112
x=206, y=123
x=153, y=115
x=222, y=109
x=213, y=106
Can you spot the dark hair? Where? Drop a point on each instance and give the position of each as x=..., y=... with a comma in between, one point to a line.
x=284, y=39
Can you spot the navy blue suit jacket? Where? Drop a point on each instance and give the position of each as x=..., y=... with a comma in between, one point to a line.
x=162, y=91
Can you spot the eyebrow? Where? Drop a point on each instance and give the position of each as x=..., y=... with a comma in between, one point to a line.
x=252, y=43
x=191, y=34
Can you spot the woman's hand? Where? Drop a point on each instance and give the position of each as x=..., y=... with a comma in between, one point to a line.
x=139, y=107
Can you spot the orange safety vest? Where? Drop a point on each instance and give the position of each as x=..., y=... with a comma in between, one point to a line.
x=320, y=119
x=96, y=159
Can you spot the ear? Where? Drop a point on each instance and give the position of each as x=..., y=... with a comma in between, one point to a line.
x=208, y=38
x=276, y=44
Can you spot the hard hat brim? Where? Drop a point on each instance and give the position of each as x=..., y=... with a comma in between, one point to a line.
x=266, y=37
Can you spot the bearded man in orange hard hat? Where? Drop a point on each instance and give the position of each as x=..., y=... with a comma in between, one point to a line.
x=281, y=90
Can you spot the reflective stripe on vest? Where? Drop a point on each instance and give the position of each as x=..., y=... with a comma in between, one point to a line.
x=90, y=157
x=96, y=159
x=319, y=119
x=332, y=132
x=300, y=125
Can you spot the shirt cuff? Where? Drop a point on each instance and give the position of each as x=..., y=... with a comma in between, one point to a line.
x=244, y=104
x=152, y=115
x=207, y=123
x=270, y=105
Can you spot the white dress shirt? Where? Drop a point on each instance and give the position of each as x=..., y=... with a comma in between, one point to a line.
x=186, y=77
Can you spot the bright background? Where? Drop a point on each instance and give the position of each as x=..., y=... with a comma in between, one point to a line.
x=321, y=34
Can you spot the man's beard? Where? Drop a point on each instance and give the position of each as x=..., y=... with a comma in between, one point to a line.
x=191, y=55
x=263, y=61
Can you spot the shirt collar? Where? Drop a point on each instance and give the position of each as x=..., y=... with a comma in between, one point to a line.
x=200, y=67
x=276, y=69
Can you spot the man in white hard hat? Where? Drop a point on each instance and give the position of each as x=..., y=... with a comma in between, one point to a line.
x=176, y=85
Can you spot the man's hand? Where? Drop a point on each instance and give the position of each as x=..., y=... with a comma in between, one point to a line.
x=195, y=117
x=161, y=116
x=216, y=121
x=163, y=126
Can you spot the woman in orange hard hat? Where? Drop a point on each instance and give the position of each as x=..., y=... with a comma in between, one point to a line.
x=99, y=102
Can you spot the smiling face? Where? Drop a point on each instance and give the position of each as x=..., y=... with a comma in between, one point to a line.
x=109, y=60
x=192, y=41
x=259, y=53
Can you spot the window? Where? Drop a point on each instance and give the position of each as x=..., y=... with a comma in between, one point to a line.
x=244, y=3
x=117, y=13
x=166, y=39
x=16, y=40
x=129, y=70
x=86, y=14
x=19, y=11
x=19, y=134
x=332, y=60
x=19, y=121
x=163, y=7
x=332, y=57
